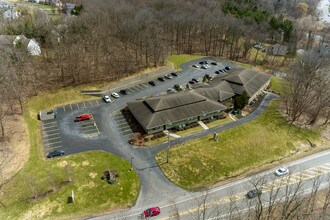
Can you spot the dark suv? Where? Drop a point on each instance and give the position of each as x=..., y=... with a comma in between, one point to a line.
x=152, y=83
x=253, y=193
x=55, y=153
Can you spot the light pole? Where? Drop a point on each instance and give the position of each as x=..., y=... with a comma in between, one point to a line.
x=168, y=148
x=131, y=163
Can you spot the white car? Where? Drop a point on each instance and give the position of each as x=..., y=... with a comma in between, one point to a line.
x=282, y=171
x=195, y=65
x=170, y=90
x=115, y=95
x=106, y=98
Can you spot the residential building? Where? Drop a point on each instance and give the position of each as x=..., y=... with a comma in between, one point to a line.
x=7, y=42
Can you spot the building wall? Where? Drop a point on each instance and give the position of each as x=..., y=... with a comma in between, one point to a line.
x=263, y=88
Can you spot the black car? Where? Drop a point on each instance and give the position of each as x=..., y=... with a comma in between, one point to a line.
x=253, y=193
x=217, y=72
x=123, y=92
x=192, y=82
x=174, y=74
x=196, y=81
x=227, y=68
x=214, y=63
x=221, y=71
x=203, y=62
x=152, y=83
x=55, y=153
x=161, y=79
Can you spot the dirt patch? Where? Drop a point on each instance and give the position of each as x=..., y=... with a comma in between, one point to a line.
x=93, y=175
x=14, y=150
x=85, y=163
x=62, y=163
x=40, y=210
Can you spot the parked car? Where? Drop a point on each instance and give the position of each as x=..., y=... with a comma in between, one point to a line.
x=227, y=68
x=192, y=82
x=221, y=71
x=196, y=80
x=152, y=83
x=170, y=90
x=55, y=153
x=123, y=92
x=151, y=212
x=253, y=193
x=195, y=65
x=83, y=117
x=106, y=98
x=205, y=66
x=115, y=95
x=282, y=171
x=217, y=72
x=203, y=62
x=214, y=63
x=168, y=76
x=161, y=79
x=174, y=74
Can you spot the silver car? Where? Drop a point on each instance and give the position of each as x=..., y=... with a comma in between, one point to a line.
x=282, y=171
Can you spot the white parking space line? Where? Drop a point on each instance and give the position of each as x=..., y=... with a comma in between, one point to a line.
x=77, y=105
x=52, y=126
x=89, y=130
x=49, y=135
x=70, y=106
x=51, y=130
x=53, y=143
x=140, y=86
x=144, y=85
x=49, y=139
x=47, y=123
x=63, y=107
x=51, y=148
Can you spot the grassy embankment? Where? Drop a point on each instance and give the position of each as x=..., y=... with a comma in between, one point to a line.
x=203, y=162
x=92, y=195
x=175, y=61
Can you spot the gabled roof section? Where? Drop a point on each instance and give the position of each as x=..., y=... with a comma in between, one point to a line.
x=165, y=102
x=219, y=92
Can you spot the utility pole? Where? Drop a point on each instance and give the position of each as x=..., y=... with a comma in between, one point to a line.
x=131, y=163
x=168, y=148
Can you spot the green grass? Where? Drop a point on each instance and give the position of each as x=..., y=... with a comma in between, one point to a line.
x=203, y=162
x=176, y=60
x=92, y=194
x=42, y=6
x=277, y=84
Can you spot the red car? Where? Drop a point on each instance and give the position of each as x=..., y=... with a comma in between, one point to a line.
x=83, y=117
x=151, y=212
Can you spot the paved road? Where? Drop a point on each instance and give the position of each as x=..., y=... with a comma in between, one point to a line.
x=102, y=133
x=217, y=201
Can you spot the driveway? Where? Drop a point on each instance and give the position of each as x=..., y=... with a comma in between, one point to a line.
x=104, y=132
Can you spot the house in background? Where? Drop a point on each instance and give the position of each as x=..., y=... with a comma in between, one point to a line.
x=9, y=42
x=277, y=50
x=11, y=14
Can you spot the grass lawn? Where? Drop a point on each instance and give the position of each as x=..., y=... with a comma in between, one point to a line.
x=203, y=162
x=277, y=84
x=176, y=60
x=92, y=194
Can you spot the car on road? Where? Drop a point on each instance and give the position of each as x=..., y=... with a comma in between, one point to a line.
x=115, y=95
x=282, y=171
x=106, y=98
x=152, y=83
x=195, y=65
x=161, y=79
x=83, y=117
x=153, y=211
x=174, y=74
x=214, y=63
x=55, y=153
x=253, y=193
x=123, y=92
x=227, y=68
x=196, y=80
x=168, y=76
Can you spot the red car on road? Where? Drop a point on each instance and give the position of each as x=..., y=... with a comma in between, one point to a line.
x=83, y=117
x=151, y=212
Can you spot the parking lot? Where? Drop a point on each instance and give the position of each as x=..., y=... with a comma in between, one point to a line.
x=51, y=135
x=111, y=119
